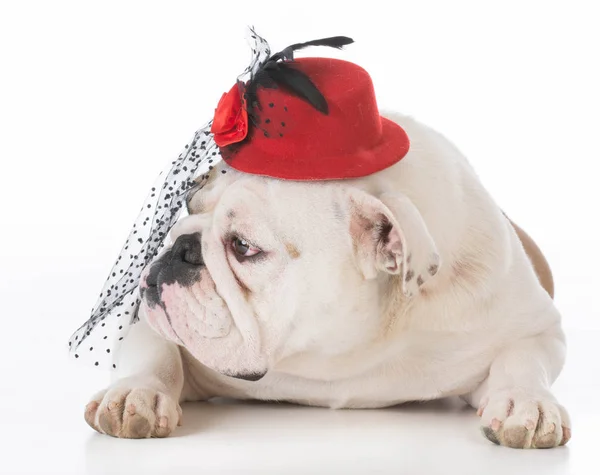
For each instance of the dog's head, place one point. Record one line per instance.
(264, 269)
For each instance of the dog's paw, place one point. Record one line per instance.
(523, 420)
(133, 412)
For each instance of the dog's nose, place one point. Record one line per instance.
(187, 248)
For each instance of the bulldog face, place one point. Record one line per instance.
(264, 269)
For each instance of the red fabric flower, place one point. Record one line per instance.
(230, 123)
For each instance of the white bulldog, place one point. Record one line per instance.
(407, 285)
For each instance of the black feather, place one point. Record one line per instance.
(333, 42)
(277, 72)
(299, 84)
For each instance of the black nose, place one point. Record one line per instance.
(187, 248)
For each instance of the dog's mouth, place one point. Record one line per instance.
(149, 291)
(184, 306)
(181, 298)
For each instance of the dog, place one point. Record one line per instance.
(409, 284)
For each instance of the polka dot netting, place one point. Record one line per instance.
(97, 341)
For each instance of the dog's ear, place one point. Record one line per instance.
(389, 235)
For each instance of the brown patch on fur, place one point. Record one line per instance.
(292, 250)
(420, 281)
(409, 258)
(468, 269)
(409, 275)
(539, 262)
(433, 269)
(231, 214)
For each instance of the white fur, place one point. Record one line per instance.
(332, 314)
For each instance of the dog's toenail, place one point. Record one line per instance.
(131, 409)
(489, 433)
(551, 428)
(164, 422)
(112, 405)
(496, 423)
(91, 406)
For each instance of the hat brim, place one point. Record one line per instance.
(391, 148)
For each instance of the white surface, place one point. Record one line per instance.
(96, 96)
(47, 434)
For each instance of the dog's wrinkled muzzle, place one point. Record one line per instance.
(182, 304)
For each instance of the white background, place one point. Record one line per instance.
(95, 98)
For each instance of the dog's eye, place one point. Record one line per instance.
(243, 248)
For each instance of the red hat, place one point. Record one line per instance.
(331, 131)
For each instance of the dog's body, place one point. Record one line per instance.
(406, 285)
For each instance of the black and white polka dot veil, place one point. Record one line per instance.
(98, 339)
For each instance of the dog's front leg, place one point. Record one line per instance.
(515, 403)
(143, 401)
